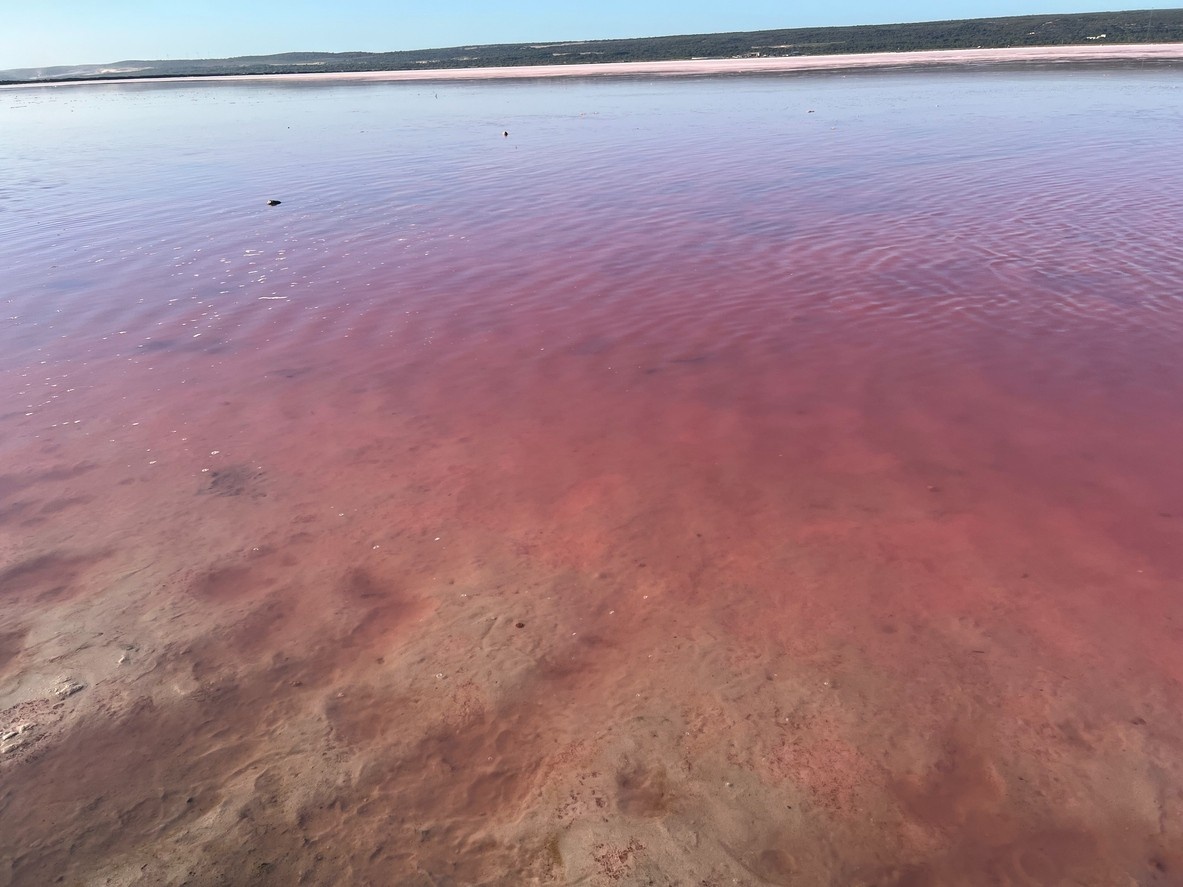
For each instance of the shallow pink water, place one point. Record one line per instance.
(820, 432)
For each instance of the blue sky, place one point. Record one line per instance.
(57, 32)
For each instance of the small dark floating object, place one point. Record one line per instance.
(506, 133)
(274, 202)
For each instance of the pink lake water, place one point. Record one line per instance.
(738, 480)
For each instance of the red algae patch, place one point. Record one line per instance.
(627, 502)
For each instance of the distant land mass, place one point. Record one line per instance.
(1139, 26)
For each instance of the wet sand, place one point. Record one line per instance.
(565, 526)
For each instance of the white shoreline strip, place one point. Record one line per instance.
(1116, 52)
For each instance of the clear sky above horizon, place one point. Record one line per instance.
(64, 32)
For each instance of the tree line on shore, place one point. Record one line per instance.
(1140, 26)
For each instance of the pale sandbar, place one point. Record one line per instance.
(1172, 52)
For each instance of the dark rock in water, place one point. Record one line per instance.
(234, 480)
(274, 202)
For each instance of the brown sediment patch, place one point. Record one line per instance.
(229, 583)
(379, 609)
(909, 875)
(162, 767)
(48, 578)
(257, 639)
(642, 790)
(571, 664)
(12, 642)
(59, 505)
(14, 483)
(776, 867)
(14, 511)
(980, 831)
(156, 345)
(962, 785)
(1162, 865)
(245, 575)
(360, 718)
(233, 480)
(1050, 854)
(1041, 855)
(301, 636)
(10, 484)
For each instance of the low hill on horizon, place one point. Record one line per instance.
(1137, 26)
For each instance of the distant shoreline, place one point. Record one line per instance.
(1172, 52)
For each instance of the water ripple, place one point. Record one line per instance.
(664, 237)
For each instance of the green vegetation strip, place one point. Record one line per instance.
(1098, 28)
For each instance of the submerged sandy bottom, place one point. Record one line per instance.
(431, 651)
(615, 533)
